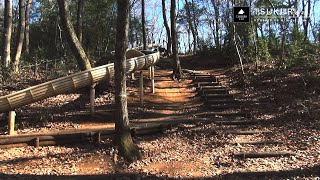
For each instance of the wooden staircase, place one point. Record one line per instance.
(220, 102)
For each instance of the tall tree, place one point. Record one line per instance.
(166, 25)
(143, 17)
(27, 29)
(307, 19)
(177, 72)
(21, 29)
(79, 20)
(191, 27)
(71, 36)
(123, 139)
(216, 5)
(6, 38)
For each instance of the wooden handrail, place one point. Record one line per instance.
(70, 83)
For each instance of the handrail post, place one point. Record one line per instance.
(132, 76)
(152, 79)
(141, 88)
(150, 72)
(12, 116)
(92, 97)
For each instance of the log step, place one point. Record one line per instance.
(207, 79)
(211, 87)
(236, 122)
(222, 113)
(211, 83)
(257, 142)
(221, 101)
(244, 155)
(246, 132)
(213, 91)
(215, 96)
(224, 106)
(199, 75)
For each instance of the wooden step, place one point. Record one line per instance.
(210, 87)
(224, 106)
(211, 79)
(236, 132)
(221, 101)
(200, 75)
(198, 84)
(244, 155)
(236, 122)
(257, 142)
(213, 91)
(206, 97)
(223, 113)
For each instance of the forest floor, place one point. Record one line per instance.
(285, 103)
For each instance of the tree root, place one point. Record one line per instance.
(127, 149)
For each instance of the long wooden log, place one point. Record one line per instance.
(244, 155)
(246, 132)
(257, 142)
(236, 122)
(8, 146)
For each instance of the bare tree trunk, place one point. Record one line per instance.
(189, 42)
(144, 39)
(236, 45)
(71, 36)
(21, 29)
(6, 38)
(166, 25)
(79, 20)
(191, 27)
(217, 22)
(123, 139)
(195, 24)
(306, 22)
(27, 29)
(177, 72)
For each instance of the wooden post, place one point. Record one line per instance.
(152, 79)
(98, 137)
(35, 69)
(141, 88)
(37, 142)
(12, 115)
(92, 97)
(132, 76)
(47, 65)
(150, 72)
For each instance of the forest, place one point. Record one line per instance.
(179, 89)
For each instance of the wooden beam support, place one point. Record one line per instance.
(92, 97)
(152, 79)
(132, 76)
(12, 116)
(150, 73)
(141, 88)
